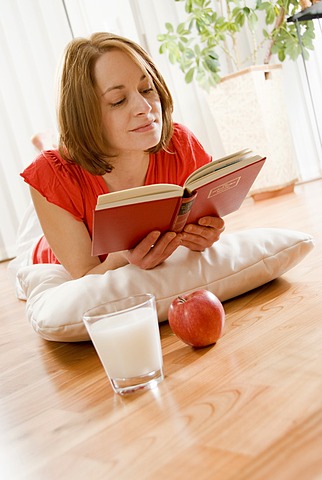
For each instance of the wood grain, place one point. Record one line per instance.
(249, 407)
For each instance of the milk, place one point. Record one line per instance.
(128, 344)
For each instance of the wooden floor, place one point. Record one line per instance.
(248, 408)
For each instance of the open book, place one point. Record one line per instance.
(122, 219)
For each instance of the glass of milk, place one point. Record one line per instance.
(126, 336)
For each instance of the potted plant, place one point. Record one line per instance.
(249, 110)
(211, 32)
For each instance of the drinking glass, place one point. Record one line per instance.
(126, 336)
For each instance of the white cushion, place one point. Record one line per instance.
(236, 264)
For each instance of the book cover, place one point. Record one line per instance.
(123, 227)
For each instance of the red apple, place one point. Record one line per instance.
(197, 318)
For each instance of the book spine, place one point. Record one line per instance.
(183, 213)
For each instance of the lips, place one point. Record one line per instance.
(144, 128)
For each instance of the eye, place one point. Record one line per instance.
(118, 103)
(148, 90)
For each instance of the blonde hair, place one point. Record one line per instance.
(79, 111)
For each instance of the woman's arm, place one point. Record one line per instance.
(68, 237)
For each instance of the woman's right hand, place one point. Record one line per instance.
(153, 250)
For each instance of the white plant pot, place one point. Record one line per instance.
(249, 110)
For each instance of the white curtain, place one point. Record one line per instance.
(33, 34)
(303, 93)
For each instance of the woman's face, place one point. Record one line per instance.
(130, 104)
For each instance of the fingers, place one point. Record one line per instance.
(154, 249)
(214, 222)
(202, 235)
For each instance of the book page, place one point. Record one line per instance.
(218, 164)
(232, 165)
(141, 194)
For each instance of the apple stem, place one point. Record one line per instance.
(182, 300)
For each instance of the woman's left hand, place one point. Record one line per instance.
(202, 235)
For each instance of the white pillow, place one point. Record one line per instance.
(236, 264)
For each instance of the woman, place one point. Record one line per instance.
(115, 132)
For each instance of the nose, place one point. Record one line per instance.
(140, 104)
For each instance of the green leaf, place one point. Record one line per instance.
(189, 53)
(181, 47)
(252, 21)
(281, 55)
(293, 50)
(211, 64)
(180, 28)
(172, 58)
(169, 27)
(189, 75)
(270, 17)
(265, 34)
(239, 19)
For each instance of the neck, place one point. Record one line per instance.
(128, 172)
